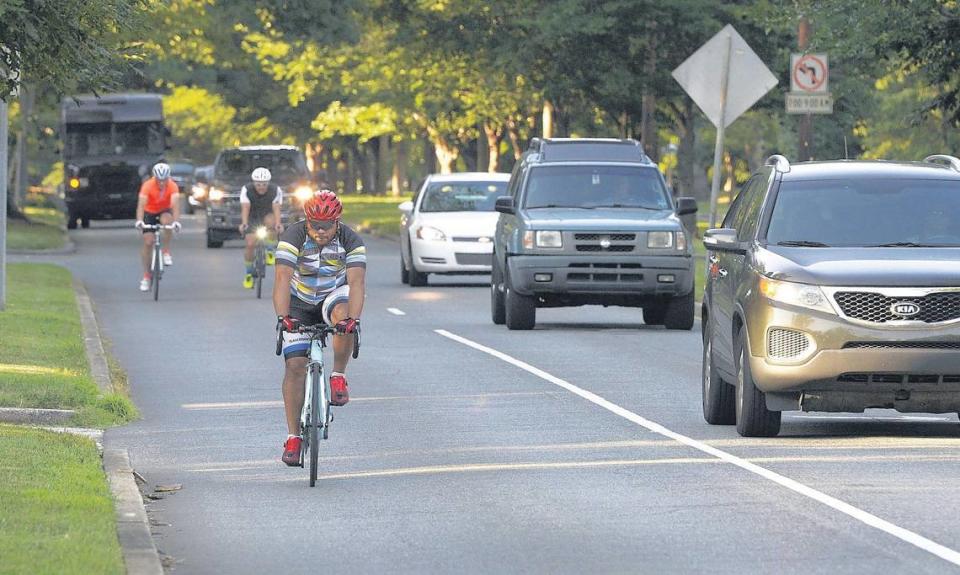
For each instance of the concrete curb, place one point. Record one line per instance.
(96, 356)
(30, 416)
(140, 555)
(69, 248)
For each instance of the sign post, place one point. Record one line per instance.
(3, 204)
(725, 77)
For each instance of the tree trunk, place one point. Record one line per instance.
(493, 136)
(22, 179)
(483, 150)
(368, 173)
(514, 133)
(446, 155)
(350, 185)
(332, 171)
(547, 119)
(383, 164)
(686, 154)
(399, 176)
(429, 156)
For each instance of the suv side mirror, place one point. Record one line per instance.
(686, 206)
(406, 207)
(723, 240)
(505, 205)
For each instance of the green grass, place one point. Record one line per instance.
(42, 358)
(56, 512)
(43, 231)
(373, 214)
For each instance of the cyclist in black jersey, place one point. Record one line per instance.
(260, 203)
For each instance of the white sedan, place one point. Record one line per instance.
(448, 227)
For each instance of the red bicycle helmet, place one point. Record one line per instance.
(324, 205)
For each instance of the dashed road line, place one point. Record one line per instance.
(395, 311)
(864, 517)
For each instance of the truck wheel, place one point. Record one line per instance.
(498, 310)
(85, 222)
(753, 417)
(72, 220)
(520, 310)
(654, 313)
(718, 395)
(679, 312)
(212, 243)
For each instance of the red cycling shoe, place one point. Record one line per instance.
(291, 452)
(338, 390)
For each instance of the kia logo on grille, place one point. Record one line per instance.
(905, 309)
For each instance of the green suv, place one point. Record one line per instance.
(590, 221)
(834, 286)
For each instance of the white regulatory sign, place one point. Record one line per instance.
(803, 103)
(809, 73)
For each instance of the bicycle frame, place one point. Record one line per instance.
(156, 264)
(260, 259)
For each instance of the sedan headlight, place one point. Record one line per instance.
(216, 195)
(659, 240)
(550, 239)
(198, 192)
(432, 234)
(303, 193)
(801, 295)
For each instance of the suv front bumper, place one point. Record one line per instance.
(592, 275)
(839, 365)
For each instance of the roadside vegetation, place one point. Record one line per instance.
(56, 513)
(376, 215)
(43, 230)
(43, 363)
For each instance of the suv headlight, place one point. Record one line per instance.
(659, 240)
(801, 295)
(432, 234)
(303, 193)
(542, 239)
(216, 194)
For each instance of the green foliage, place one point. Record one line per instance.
(73, 45)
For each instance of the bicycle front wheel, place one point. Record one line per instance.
(155, 276)
(260, 264)
(316, 409)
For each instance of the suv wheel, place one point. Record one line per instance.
(520, 310)
(404, 273)
(654, 313)
(753, 417)
(679, 312)
(719, 407)
(498, 310)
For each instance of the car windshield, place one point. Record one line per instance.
(867, 213)
(182, 169)
(462, 196)
(284, 165)
(88, 140)
(596, 187)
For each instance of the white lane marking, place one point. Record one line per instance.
(395, 311)
(233, 405)
(906, 535)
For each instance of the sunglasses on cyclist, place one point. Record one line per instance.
(321, 225)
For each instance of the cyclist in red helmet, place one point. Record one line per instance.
(321, 265)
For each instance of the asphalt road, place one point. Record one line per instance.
(456, 454)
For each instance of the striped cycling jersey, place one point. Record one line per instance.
(317, 270)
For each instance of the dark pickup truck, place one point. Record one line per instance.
(231, 172)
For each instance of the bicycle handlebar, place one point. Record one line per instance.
(318, 331)
(155, 227)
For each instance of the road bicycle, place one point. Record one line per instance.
(260, 260)
(315, 417)
(156, 262)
